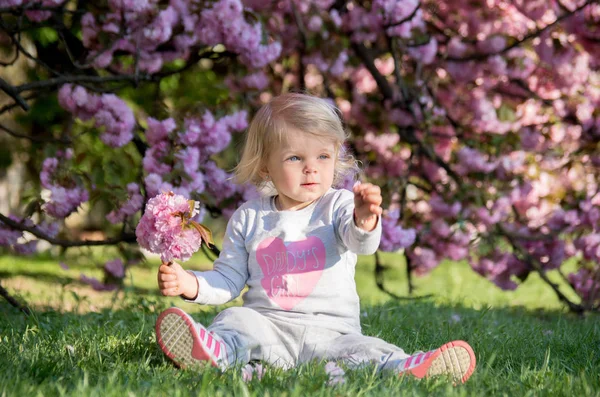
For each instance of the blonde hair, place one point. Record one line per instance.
(273, 120)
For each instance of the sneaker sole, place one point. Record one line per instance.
(177, 337)
(454, 358)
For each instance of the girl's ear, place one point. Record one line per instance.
(264, 174)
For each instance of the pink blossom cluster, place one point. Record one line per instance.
(391, 161)
(440, 207)
(587, 284)
(249, 370)
(422, 260)
(433, 172)
(111, 113)
(30, 6)
(13, 238)
(225, 23)
(253, 81)
(164, 228)
(115, 268)
(8, 235)
(501, 268)
(186, 153)
(446, 241)
(485, 218)
(397, 18)
(133, 26)
(393, 236)
(550, 253)
(471, 160)
(26, 248)
(66, 194)
(219, 182)
(333, 66)
(400, 16)
(335, 373)
(96, 284)
(589, 246)
(133, 204)
(589, 210)
(157, 35)
(364, 24)
(114, 273)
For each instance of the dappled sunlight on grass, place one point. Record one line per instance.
(456, 282)
(40, 280)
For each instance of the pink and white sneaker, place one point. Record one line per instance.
(455, 358)
(186, 342)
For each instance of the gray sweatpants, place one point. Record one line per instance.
(248, 335)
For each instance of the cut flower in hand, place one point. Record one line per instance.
(167, 228)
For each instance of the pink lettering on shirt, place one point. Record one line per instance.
(290, 272)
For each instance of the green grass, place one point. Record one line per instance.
(83, 343)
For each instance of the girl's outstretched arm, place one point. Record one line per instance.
(367, 205)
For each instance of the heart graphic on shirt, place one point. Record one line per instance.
(290, 272)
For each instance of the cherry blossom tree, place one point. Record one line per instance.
(479, 119)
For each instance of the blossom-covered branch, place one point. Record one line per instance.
(125, 238)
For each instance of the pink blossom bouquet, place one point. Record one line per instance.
(167, 228)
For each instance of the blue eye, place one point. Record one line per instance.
(324, 156)
(293, 158)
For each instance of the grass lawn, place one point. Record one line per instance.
(84, 343)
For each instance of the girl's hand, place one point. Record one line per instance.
(173, 280)
(367, 201)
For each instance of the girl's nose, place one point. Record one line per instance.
(309, 168)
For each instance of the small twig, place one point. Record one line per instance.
(13, 93)
(13, 105)
(209, 249)
(34, 138)
(302, 46)
(12, 61)
(399, 79)
(409, 270)
(405, 19)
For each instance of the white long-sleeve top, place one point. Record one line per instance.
(299, 265)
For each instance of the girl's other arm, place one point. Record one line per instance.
(230, 271)
(173, 280)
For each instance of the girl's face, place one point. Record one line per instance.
(302, 170)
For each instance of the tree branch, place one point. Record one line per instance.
(534, 264)
(408, 134)
(57, 81)
(529, 36)
(382, 83)
(132, 78)
(124, 238)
